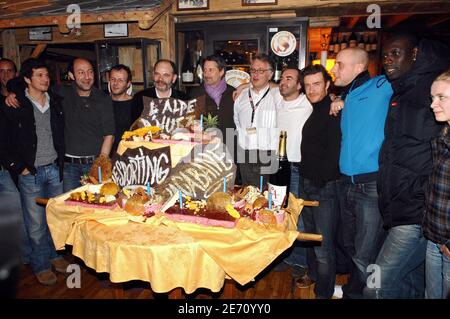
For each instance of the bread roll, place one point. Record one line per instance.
(109, 188)
(135, 205)
(267, 217)
(218, 201)
(260, 202)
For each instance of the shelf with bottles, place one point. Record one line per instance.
(366, 40)
(191, 48)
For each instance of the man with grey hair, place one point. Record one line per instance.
(255, 120)
(362, 125)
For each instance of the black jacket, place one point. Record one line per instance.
(138, 103)
(405, 156)
(24, 133)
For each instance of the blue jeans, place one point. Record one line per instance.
(363, 231)
(322, 220)
(11, 222)
(297, 255)
(437, 273)
(73, 173)
(401, 265)
(45, 184)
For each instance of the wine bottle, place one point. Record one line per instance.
(280, 180)
(367, 45)
(278, 70)
(187, 69)
(337, 45)
(352, 41)
(373, 43)
(344, 43)
(199, 69)
(331, 46)
(361, 44)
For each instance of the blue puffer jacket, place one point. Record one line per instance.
(362, 124)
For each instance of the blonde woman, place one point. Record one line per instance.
(436, 224)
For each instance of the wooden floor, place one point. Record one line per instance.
(268, 285)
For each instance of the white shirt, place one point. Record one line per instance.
(291, 116)
(37, 105)
(265, 137)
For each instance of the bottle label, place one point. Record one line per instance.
(277, 75)
(187, 77)
(278, 194)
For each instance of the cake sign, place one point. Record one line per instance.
(201, 173)
(141, 165)
(168, 114)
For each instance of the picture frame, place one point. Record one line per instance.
(246, 3)
(113, 30)
(40, 34)
(192, 5)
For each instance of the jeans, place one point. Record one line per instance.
(46, 183)
(401, 265)
(73, 173)
(363, 231)
(322, 220)
(297, 255)
(11, 225)
(437, 273)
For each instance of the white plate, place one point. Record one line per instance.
(283, 43)
(236, 77)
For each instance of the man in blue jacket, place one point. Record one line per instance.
(362, 124)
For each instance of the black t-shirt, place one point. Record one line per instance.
(87, 120)
(124, 119)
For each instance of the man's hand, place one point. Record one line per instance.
(239, 89)
(445, 251)
(336, 106)
(25, 172)
(11, 101)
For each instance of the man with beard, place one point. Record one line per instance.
(406, 162)
(88, 122)
(124, 111)
(164, 76)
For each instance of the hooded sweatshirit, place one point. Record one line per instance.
(405, 157)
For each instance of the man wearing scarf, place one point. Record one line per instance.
(218, 95)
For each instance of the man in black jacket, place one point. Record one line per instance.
(38, 132)
(164, 76)
(405, 163)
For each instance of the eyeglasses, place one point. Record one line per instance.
(259, 71)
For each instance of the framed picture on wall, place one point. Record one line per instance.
(258, 2)
(192, 4)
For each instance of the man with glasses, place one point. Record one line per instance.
(255, 120)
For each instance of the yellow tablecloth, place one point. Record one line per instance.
(164, 253)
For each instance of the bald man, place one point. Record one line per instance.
(362, 124)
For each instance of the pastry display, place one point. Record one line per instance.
(143, 134)
(91, 199)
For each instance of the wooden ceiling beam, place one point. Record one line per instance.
(392, 21)
(352, 22)
(87, 18)
(387, 8)
(437, 20)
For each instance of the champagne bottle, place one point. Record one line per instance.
(344, 44)
(367, 45)
(337, 45)
(280, 180)
(278, 70)
(187, 69)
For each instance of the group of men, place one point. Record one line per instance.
(365, 155)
